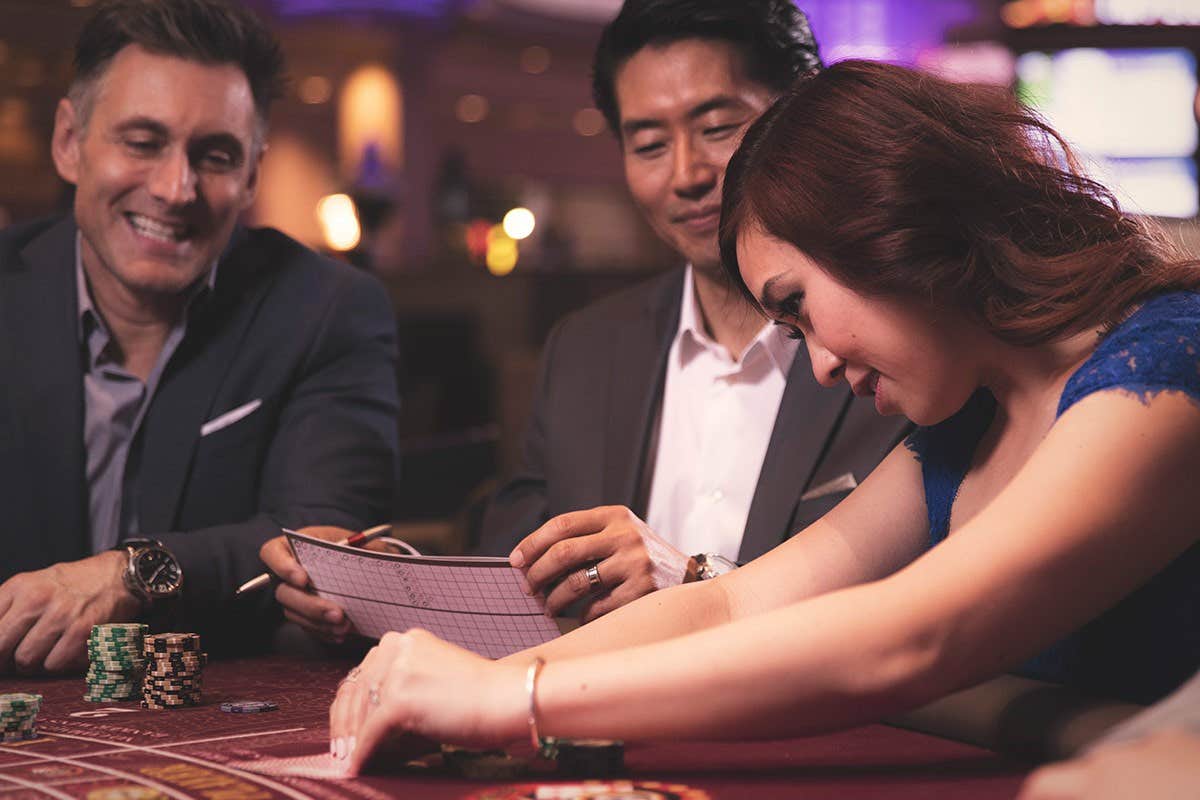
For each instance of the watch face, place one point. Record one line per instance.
(158, 571)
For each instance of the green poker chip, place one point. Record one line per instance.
(20, 700)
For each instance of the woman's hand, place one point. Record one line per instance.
(414, 682)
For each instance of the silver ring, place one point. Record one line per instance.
(373, 695)
(593, 578)
(351, 677)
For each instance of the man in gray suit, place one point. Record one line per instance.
(674, 431)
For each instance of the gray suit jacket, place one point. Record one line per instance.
(596, 404)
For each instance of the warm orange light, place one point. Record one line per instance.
(370, 116)
(339, 222)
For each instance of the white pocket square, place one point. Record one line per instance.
(229, 417)
(842, 483)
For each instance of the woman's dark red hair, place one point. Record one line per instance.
(899, 183)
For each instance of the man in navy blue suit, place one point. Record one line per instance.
(175, 387)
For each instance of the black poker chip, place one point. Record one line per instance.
(586, 758)
(493, 765)
(248, 706)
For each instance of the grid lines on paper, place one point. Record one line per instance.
(479, 606)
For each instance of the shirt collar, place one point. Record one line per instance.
(87, 308)
(692, 339)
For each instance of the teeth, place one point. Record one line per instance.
(155, 229)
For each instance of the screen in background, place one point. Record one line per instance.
(1129, 114)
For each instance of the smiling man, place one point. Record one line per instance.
(177, 387)
(674, 431)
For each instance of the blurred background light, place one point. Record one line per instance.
(519, 223)
(477, 238)
(339, 222)
(370, 121)
(314, 90)
(535, 60)
(502, 251)
(432, 9)
(1129, 113)
(472, 108)
(588, 122)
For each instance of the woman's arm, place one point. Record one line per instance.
(1097, 510)
(873, 532)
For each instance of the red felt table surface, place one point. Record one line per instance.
(122, 752)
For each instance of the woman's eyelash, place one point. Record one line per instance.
(791, 331)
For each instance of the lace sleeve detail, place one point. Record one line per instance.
(944, 452)
(1157, 349)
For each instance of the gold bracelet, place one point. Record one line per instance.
(531, 676)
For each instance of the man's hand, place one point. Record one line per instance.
(631, 560)
(46, 616)
(1163, 765)
(323, 619)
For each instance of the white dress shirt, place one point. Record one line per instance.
(714, 426)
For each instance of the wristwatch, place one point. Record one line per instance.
(153, 573)
(704, 566)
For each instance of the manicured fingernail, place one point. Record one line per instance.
(341, 748)
(517, 558)
(334, 615)
(332, 749)
(350, 745)
(525, 587)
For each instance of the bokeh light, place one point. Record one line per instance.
(339, 222)
(535, 60)
(502, 252)
(472, 108)
(314, 90)
(588, 122)
(519, 223)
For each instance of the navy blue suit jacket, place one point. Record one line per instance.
(312, 339)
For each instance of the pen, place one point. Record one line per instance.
(354, 540)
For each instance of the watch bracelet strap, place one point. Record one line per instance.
(164, 606)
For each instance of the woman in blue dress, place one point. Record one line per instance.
(935, 248)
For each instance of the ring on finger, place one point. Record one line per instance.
(592, 574)
(351, 677)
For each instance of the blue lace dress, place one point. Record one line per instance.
(1150, 642)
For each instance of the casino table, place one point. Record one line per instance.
(120, 751)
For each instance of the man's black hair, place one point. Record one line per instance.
(772, 36)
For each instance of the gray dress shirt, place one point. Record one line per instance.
(115, 402)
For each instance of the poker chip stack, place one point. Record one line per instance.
(115, 662)
(173, 671)
(18, 716)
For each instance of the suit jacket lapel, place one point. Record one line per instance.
(40, 307)
(635, 383)
(184, 399)
(803, 430)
